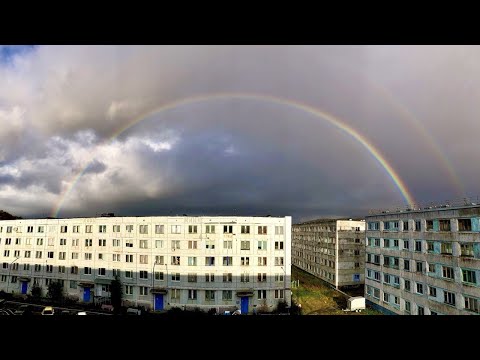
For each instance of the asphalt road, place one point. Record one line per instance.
(9, 307)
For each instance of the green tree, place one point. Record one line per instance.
(36, 292)
(116, 294)
(55, 291)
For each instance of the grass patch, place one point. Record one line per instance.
(318, 298)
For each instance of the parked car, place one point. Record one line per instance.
(82, 313)
(48, 310)
(23, 310)
(133, 311)
(65, 312)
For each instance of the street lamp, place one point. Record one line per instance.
(153, 284)
(10, 269)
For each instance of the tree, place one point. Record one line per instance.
(116, 294)
(55, 291)
(36, 292)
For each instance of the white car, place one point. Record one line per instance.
(48, 310)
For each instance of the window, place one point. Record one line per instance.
(6, 253)
(227, 229)
(16, 253)
(262, 294)
(420, 310)
(74, 270)
(51, 241)
(429, 225)
(102, 228)
(15, 266)
(471, 304)
(245, 245)
(128, 290)
(433, 291)
(129, 258)
(192, 294)
(279, 261)
(116, 272)
(245, 261)
(176, 277)
(431, 268)
(377, 242)
(262, 245)
(418, 245)
(469, 276)
(143, 244)
(405, 225)
(449, 298)
(129, 243)
(209, 295)
(175, 244)
(143, 274)
(192, 261)
(192, 244)
(419, 288)
(262, 230)
(88, 256)
(102, 271)
(376, 259)
(227, 277)
(39, 242)
(210, 277)
(376, 293)
(62, 255)
(357, 241)
(116, 228)
(74, 255)
(175, 294)
(192, 277)
(278, 294)
(430, 246)
(192, 229)
(386, 225)
(467, 249)
(74, 242)
(407, 285)
(209, 261)
(159, 229)
(356, 252)
(444, 225)
(73, 284)
(116, 257)
(419, 266)
(374, 225)
(63, 242)
(41, 229)
(143, 229)
(245, 229)
(129, 228)
(88, 242)
(9, 229)
(38, 254)
(159, 260)
(227, 261)
(406, 245)
(29, 229)
(357, 265)
(28, 241)
(418, 225)
(87, 270)
(116, 242)
(159, 275)
(37, 267)
(227, 244)
(27, 254)
(129, 274)
(227, 295)
(144, 259)
(278, 245)
(447, 272)
(446, 248)
(210, 229)
(464, 225)
(262, 277)
(159, 244)
(278, 277)
(245, 278)
(76, 228)
(175, 260)
(88, 228)
(406, 265)
(176, 229)
(262, 261)
(18, 241)
(386, 297)
(278, 230)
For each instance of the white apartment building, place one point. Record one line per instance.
(424, 262)
(331, 249)
(163, 262)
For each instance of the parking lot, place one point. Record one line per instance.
(9, 307)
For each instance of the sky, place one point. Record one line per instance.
(304, 131)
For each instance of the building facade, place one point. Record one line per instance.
(333, 250)
(424, 262)
(162, 262)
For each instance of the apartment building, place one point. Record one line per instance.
(331, 249)
(163, 262)
(424, 262)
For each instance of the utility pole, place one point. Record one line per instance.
(9, 269)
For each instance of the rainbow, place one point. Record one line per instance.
(335, 121)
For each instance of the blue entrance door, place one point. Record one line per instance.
(158, 301)
(244, 305)
(86, 294)
(24, 287)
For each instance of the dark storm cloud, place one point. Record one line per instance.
(59, 106)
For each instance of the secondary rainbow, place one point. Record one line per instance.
(333, 120)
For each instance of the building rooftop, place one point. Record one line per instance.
(326, 220)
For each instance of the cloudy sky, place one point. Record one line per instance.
(146, 130)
